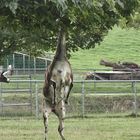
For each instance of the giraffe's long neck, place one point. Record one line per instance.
(61, 45)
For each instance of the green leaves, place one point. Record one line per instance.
(120, 3)
(11, 4)
(87, 21)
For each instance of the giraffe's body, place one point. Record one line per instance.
(58, 84)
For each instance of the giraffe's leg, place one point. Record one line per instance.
(60, 112)
(54, 94)
(66, 100)
(46, 117)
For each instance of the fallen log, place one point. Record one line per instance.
(125, 66)
(120, 71)
(131, 65)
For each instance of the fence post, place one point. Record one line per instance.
(1, 103)
(83, 99)
(94, 81)
(31, 99)
(34, 65)
(134, 91)
(14, 61)
(36, 99)
(24, 63)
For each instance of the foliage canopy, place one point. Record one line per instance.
(33, 25)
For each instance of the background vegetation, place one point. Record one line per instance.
(32, 26)
(118, 45)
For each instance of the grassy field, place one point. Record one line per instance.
(119, 45)
(75, 129)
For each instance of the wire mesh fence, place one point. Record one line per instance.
(15, 97)
(24, 63)
(24, 97)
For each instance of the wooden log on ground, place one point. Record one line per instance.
(125, 66)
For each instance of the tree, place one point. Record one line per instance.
(33, 25)
(135, 21)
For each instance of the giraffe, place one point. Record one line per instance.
(58, 84)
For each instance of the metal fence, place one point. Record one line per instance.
(24, 97)
(11, 94)
(23, 63)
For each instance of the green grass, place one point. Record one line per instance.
(75, 129)
(119, 45)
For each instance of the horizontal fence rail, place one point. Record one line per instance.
(36, 90)
(79, 81)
